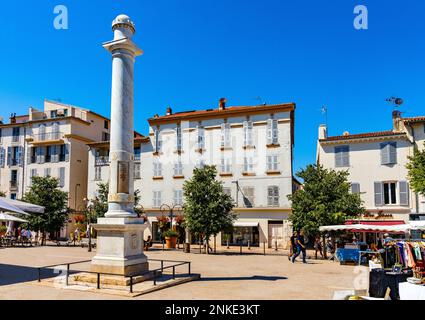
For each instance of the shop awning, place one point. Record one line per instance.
(417, 225)
(400, 228)
(240, 224)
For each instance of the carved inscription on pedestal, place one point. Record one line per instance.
(123, 177)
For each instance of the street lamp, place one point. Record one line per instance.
(88, 205)
(166, 208)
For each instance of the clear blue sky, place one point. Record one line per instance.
(197, 51)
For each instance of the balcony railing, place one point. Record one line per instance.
(102, 161)
(16, 139)
(13, 185)
(48, 136)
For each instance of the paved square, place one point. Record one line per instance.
(224, 277)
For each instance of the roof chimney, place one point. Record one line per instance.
(396, 121)
(1, 120)
(169, 111)
(222, 104)
(12, 118)
(323, 132)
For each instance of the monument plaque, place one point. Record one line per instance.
(123, 177)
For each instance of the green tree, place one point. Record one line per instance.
(2, 194)
(100, 202)
(416, 175)
(44, 191)
(208, 210)
(325, 199)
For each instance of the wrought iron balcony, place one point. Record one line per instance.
(102, 161)
(48, 136)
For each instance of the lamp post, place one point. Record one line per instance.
(166, 208)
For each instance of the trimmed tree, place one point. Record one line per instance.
(416, 175)
(44, 191)
(208, 209)
(2, 194)
(324, 200)
(100, 202)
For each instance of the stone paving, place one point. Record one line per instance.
(224, 277)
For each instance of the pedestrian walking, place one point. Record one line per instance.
(318, 246)
(292, 245)
(300, 245)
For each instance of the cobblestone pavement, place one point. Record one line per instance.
(224, 277)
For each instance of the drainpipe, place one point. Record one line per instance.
(24, 160)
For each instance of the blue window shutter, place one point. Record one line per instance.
(67, 153)
(378, 194)
(404, 193)
(355, 187)
(2, 157)
(393, 152)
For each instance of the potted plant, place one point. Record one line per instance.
(171, 238)
(163, 222)
(3, 230)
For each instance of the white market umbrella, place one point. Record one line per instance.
(371, 228)
(8, 217)
(24, 206)
(5, 206)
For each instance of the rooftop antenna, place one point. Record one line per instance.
(395, 102)
(324, 111)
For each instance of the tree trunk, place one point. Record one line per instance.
(324, 247)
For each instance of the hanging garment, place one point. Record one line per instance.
(417, 251)
(410, 260)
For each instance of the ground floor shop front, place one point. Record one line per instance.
(253, 228)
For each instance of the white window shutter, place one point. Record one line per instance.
(270, 131)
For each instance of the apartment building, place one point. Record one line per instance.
(51, 142)
(377, 163)
(252, 148)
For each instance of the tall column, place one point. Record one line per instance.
(121, 184)
(120, 233)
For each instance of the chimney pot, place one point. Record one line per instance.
(222, 104)
(169, 111)
(396, 120)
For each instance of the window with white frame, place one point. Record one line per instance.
(178, 168)
(248, 196)
(98, 173)
(390, 192)
(225, 136)
(273, 162)
(355, 187)
(178, 197)
(157, 168)
(178, 137)
(273, 196)
(137, 174)
(201, 137)
(157, 199)
(249, 164)
(248, 133)
(226, 165)
(272, 132)
(33, 173)
(200, 164)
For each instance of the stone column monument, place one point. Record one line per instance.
(120, 233)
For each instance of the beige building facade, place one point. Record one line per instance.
(377, 163)
(252, 148)
(51, 142)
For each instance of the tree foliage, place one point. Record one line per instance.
(416, 175)
(100, 202)
(324, 200)
(2, 194)
(44, 191)
(208, 210)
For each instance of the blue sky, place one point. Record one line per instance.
(197, 51)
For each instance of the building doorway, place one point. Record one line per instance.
(275, 235)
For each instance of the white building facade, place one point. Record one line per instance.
(51, 143)
(252, 148)
(377, 163)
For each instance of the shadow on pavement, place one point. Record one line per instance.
(10, 274)
(262, 278)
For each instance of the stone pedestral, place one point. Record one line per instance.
(120, 246)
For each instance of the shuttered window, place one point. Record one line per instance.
(225, 135)
(388, 153)
(178, 138)
(226, 165)
(273, 196)
(249, 164)
(249, 196)
(158, 141)
(178, 168)
(2, 157)
(178, 197)
(157, 169)
(273, 163)
(201, 137)
(98, 173)
(248, 133)
(47, 172)
(342, 156)
(157, 199)
(272, 132)
(137, 174)
(404, 193)
(355, 187)
(62, 177)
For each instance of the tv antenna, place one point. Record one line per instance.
(395, 102)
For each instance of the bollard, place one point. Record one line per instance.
(190, 271)
(67, 275)
(275, 245)
(98, 281)
(163, 245)
(131, 284)
(174, 272)
(249, 245)
(39, 274)
(241, 249)
(264, 248)
(162, 266)
(154, 278)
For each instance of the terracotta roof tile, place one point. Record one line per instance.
(414, 119)
(364, 135)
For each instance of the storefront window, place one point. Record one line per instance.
(241, 236)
